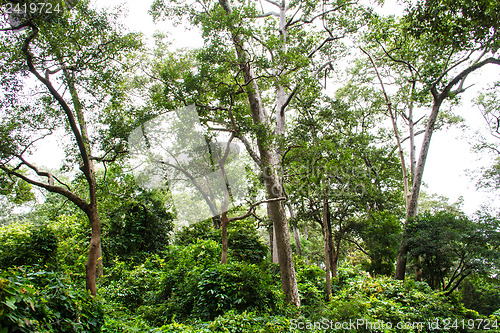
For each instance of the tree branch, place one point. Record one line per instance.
(84, 206)
(250, 211)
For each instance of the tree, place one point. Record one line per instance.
(334, 176)
(428, 54)
(77, 59)
(254, 61)
(447, 247)
(489, 105)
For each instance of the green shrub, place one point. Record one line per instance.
(133, 286)
(481, 293)
(244, 243)
(40, 301)
(136, 228)
(195, 286)
(73, 237)
(249, 322)
(312, 287)
(234, 286)
(27, 244)
(377, 300)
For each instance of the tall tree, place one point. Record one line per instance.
(429, 53)
(255, 60)
(335, 173)
(448, 247)
(75, 60)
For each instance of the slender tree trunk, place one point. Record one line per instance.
(296, 232)
(335, 249)
(412, 206)
(327, 248)
(224, 225)
(335, 260)
(296, 236)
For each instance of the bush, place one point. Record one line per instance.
(249, 322)
(27, 244)
(312, 287)
(195, 286)
(40, 301)
(133, 286)
(383, 300)
(73, 237)
(234, 286)
(244, 243)
(136, 228)
(481, 293)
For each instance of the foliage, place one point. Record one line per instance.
(481, 293)
(27, 244)
(252, 322)
(434, 203)
(464, 24)
(137, 227)
(447, 247)
(244, 242)
(72, 238)
(381, 233)
(39, 301)
(203, 230)
(384, 300)
(311, 284)
(142, 282)
(235, 285)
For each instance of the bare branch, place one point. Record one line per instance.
(416, 134)
(251, 210)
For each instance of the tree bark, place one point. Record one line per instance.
(327, 248)
(274, 247)
(296, 232)
(93, 260)
(224, 224)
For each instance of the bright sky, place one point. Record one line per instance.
(450, 154)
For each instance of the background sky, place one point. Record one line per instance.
(451, 160)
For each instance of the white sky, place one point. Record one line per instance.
(450, 154)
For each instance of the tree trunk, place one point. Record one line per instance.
(334, 265)
(93, 260)
(412, 206)
(224, 224)
(274, 247)
(327, 248)
(401, 262)
(296, 236)
(285, 258)
(296, 232)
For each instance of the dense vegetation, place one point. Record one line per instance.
(334, 231)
